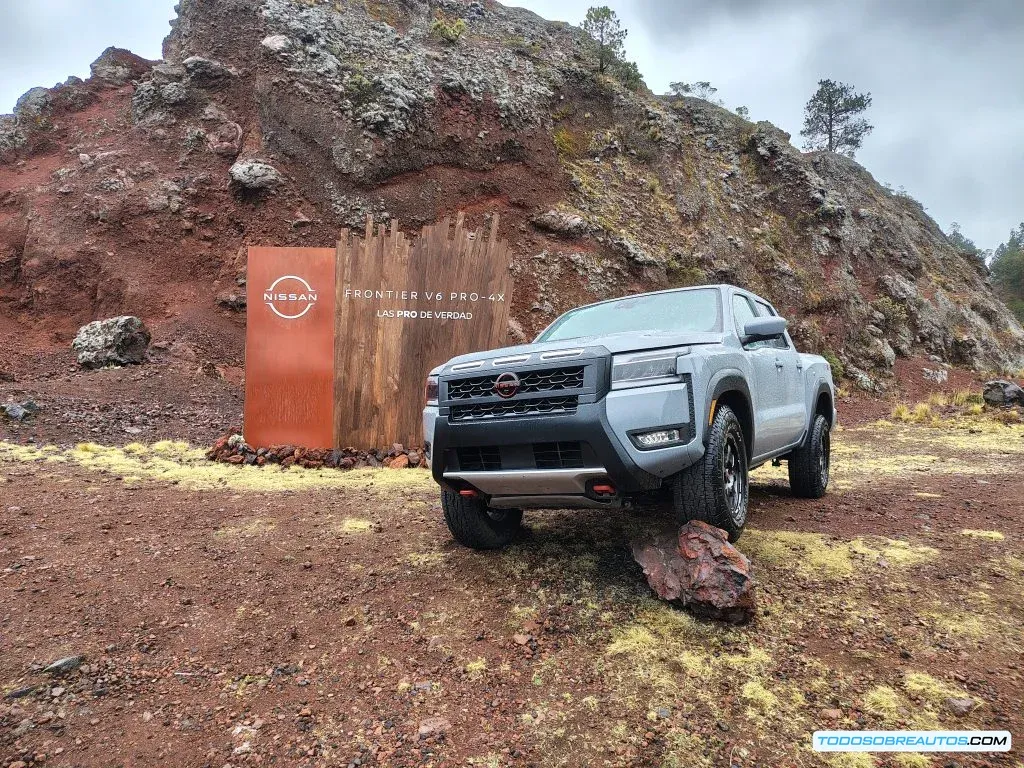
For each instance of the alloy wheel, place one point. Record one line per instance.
(734, 478)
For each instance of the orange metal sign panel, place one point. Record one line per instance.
(289, 347)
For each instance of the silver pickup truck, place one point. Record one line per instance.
(659, 398)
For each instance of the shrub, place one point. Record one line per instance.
(628, 73)
(449, 30)
(566, 142)
(838, 369)
(895, 314)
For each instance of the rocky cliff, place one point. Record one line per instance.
(278, 121)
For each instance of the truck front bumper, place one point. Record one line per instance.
(556, 460)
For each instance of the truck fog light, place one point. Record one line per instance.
(657, 438)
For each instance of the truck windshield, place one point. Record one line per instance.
(698, 311)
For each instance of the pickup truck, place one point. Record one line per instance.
(664, 398)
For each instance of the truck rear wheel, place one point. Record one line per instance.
(475, 525)
(716, 488)
(809, 464)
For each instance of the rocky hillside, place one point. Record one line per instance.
(278, 121)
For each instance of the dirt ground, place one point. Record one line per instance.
(245, 616)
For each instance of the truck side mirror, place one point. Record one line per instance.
(764, 328)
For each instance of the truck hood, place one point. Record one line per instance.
(612, 342)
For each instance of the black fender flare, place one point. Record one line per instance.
(823, 389)
(728, 383)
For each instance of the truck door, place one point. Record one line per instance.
(768, 390)
(794, 403)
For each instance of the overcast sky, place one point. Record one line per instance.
(947, 76)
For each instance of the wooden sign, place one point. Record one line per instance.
(339, 342)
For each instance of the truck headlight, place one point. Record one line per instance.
(431, 390)
(646, 368)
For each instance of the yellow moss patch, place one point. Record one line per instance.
(990, 535)
(809, 553)
(894, 551)
(181, 464)
(815, 555)
(686, 750)
(851, 760)
(758, 698)
(884, 702)
(353, 525)
(476, 668)
(425, 559)
(633, 641)
(930, 689)
(958, 623)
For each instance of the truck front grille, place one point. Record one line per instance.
(548, 380)
(479, 459)
(562, 455)
(542, 406)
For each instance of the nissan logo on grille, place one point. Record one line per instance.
(506, 385)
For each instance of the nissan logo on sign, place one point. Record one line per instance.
(506, 385)
(290, 297)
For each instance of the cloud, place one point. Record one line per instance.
(44, 41)
(946, 76)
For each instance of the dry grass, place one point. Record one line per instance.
(814, 555)
(976, 534)
(179, 463)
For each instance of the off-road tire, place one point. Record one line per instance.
(475, 526)
(809, 464)
(702, 491)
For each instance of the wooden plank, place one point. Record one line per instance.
(390, 329)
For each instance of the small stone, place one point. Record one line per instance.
(63, 666)
(960, 706)
(520, 639)
(831, 714)
(15, 412)
(276, 43)
(433, 726)
(399, 462)
(561, 223)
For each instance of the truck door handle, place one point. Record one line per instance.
(779, 364)
(799, 366)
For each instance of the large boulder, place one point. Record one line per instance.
(561, 223)
(700, 570)
(1004, 393)
(119, 66)
(114, 341)
(255, 175)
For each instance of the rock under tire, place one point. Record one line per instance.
(472, 525)
(699, 491)
(809, 464)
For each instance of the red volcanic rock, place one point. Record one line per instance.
(701, 570)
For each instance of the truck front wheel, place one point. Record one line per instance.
(716, 488)
(475, 525)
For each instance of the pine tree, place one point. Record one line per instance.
(1008, 271)
(604, 27)
(832, 118)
